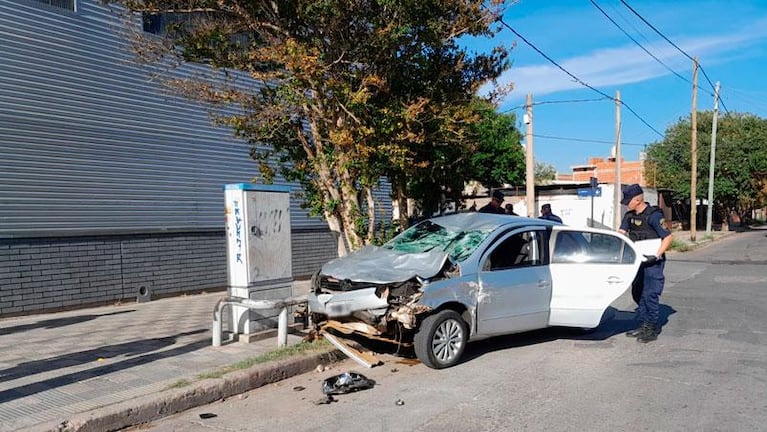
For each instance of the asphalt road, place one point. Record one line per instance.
(706, 372)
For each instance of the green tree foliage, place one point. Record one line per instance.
(740, 171)
(544, 173)
(500, 158)
(351, 90)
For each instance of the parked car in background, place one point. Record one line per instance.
(453, 279)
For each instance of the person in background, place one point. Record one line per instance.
(510, 210)
(644, 222)
(548, 215)
(494, 206)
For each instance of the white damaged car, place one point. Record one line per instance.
(468, 276)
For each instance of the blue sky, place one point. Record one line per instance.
(729, 38)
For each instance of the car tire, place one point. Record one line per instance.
(440, 339)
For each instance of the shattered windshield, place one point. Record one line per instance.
(427, 236)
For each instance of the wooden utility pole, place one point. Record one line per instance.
(529, 160)
(711, 160)
(617, 216)
(694, 152)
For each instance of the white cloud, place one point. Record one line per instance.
(610, 67)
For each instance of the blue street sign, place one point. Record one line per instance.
(587, 192)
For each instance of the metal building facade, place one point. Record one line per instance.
(95, 156)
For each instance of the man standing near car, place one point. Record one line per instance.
(548, 215)
(644, 222)
(494, 206)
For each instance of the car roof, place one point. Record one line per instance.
(471, 221)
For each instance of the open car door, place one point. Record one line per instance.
(590, 269)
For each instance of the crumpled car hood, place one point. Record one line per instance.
(379, 265)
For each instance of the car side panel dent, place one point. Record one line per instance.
(463, 290)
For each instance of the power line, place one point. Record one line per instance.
(639, 44)
(578, 80)
(555, 102)
(705, 75)
(747, 96)
(585, 140)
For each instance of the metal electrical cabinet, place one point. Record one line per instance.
(259, 255)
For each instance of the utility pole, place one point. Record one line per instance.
(694, 152)
(712, 159)
(618, 189)
(529, 160)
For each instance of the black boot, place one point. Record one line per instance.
(649, 336)
(645, 327)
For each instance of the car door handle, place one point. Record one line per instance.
(543, 284)
(614, 280)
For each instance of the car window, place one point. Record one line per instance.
(586, 247)
(519, 250)
(428, 235)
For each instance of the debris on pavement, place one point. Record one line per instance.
(399, 402)
(346, 382)
(299, 388)
(358, 356)
(325, 401)
(208, 415)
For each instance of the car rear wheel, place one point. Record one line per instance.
(440, 339)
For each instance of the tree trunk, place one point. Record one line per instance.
(402, 205)
(371, 214)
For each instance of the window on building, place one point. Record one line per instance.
(63, 4)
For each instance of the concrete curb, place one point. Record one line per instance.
(153, 407)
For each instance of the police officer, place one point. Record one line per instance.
(643, 222)
(494, 206)
(548, 215)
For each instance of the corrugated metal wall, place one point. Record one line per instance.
(89, 144)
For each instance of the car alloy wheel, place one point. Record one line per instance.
(441, 339)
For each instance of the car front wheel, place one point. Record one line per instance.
(440, 339)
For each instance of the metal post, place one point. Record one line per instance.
(282, 321)
(282, 328)
(217, 324)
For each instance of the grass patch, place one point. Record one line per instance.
(278, 354)
(179, 384)
(679, 245)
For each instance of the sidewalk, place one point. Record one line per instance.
(95, 369)
(701, 239)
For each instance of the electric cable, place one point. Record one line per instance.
(555, 102)
(578, 80)
(703, 71)
(585, 140)
(640, 45)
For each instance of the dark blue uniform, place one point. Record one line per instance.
(551, 217)
(644, 226)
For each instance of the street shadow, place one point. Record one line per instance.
(57, 322)
(614, 322)
(134, 350)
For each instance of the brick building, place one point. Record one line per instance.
(604, 170)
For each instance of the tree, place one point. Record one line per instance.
(741, 160)
(500, 158)
(544, 173)
(350, 90)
